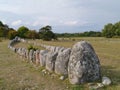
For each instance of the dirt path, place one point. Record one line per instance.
(16, 74)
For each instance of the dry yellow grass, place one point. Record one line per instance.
(16, 74)
(13, 70)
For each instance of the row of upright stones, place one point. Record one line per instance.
(80, 63)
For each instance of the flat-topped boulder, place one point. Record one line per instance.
(84, 65)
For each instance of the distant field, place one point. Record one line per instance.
(108, 51)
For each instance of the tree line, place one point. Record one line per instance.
(84, 34)
(110, 30)
(44, 33)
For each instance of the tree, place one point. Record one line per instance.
(3, 30)
(117, 29)
(22, 31)
(1, 24)
(12, 34)
(32, 34)
(109, 30)
(46, 33)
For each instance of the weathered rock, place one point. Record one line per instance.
(31, 53)
(61, 64)
(23, 53)
(59, 49)
(34, 56)
(84, 65)
(18, 51)
(37, 57)
(42, 56)
(50, 61)
(27, 54)
(106, 81)
(62, 77)
(52, 48)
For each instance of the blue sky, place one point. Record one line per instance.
(63, 15)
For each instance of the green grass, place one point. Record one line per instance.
(16, 74)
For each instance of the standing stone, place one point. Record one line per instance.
(27, 54)
(24, 53)
(84, 65)
(42, 56)
(50, 61)
(52, 48)
(31, 55)
(37, 57)
(59, 49)
(34, 57)
(20, 52)
(61, 64)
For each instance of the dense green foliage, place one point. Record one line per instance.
(12, 34)
(84, 34)
(4, 29)
(32, 34)
(22, 31)
(46, 33)
(111, 30)
(30, 47)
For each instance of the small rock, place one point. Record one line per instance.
(62, 77)
(44, 71)
(100, 85)
(106, 81)
(95, 86)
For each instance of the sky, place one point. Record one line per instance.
(65, 16)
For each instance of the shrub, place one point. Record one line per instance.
(31, 47)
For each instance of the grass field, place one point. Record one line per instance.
(16, 74)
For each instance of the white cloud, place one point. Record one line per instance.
(16, 23)
(36, 23)
(71, 23)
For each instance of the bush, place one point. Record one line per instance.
(31, 47)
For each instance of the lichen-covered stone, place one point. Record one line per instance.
(61, 64)
(84, 65)
(31, 53)
(37, 57)
(50, 61)
(34, 57)
(42, 56)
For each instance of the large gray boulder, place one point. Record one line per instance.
(84, 65)
(50, 61)
(42, 56)
(61, 64)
